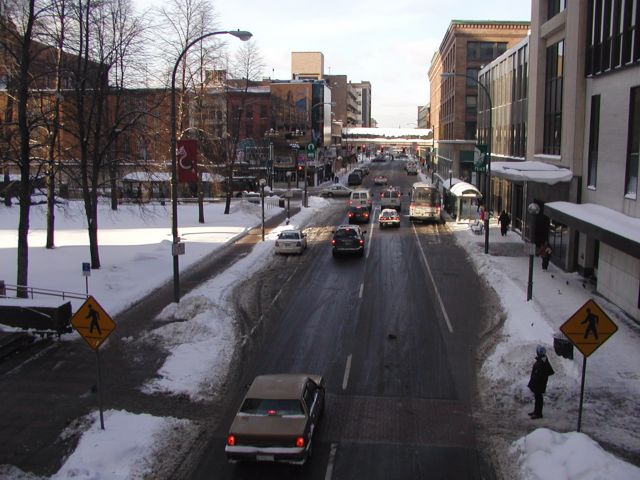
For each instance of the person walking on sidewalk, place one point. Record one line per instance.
(504, 220)
(545, 252)
(540, 373)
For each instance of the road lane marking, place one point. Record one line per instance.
(332, 459)
(361, 290)
(347, 369)
(371, 232)
(435, 287)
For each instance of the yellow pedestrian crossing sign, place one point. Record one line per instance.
(589, 328)
(93, 323)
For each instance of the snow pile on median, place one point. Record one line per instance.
(545, 454)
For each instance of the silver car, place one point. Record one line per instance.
(336, 190)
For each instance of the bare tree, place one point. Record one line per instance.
(19, 31)
(101, 35)
(247, 67)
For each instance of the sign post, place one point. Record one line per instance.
(86, 272)
(94, 325)
(587, 329)
(311, 154)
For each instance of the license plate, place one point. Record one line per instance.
(265, 458)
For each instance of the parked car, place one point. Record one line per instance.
(360, 197)
(391, 198)
(358, 214)
(354, 179)
(291, 240)
(348, 239)
(389, 217)
(380, 180)
(277, 419)
(335, 190)
(378, 158)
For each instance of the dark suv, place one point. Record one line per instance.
(358, 214)
(348, 239)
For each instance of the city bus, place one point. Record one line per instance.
(426, 203)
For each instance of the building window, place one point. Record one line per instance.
(613, 35)
(470, 130)
(471, 104)
(554, 7)
(633, 149)
(263, 111)
(473, 73)
(249, 112)
(594, 133)
(553, 99)
(485, 50)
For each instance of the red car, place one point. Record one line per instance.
(380, 180)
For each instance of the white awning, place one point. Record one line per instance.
(531, 171)
(147, 177)
(464, 189)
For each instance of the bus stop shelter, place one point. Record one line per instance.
(462, 199)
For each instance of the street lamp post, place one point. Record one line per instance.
(450, 185)
(533, 209)
(262, 183)
(176, 248)
(288, 196)
(488, 155)
(306, 163)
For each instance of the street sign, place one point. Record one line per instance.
(86, 269)
(93, 323)
(311, 148)
(589, 328)
(480, 158)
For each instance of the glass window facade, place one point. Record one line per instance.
(594, 133)
(633, 149)
(554, 7)
(613, 35)
(553, 99)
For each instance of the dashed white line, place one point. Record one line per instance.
(373, 215)
(361, 290)
(435, 287)
(347, 369)
(331, 462)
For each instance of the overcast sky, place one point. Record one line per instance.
(389, 43)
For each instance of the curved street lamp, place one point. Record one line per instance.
(176, 250)
(488, 155)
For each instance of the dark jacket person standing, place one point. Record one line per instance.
(540, 373)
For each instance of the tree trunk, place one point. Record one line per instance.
(23, 242)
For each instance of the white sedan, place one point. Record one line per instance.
(291, 240)
(389, 217)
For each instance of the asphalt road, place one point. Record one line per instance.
(395, 333)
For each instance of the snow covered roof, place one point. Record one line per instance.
(147, 177)
(464, 189)
(605, 224)
(531, 171)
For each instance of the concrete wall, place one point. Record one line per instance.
(619, 279)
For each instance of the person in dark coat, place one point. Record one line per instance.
(540, 373)
(504, 220)
(545, 252)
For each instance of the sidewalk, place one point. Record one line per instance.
(612, 389)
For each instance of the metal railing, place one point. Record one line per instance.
(33, 291)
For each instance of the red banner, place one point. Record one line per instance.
(187, 156)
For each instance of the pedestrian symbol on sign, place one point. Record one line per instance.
(592, 321)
